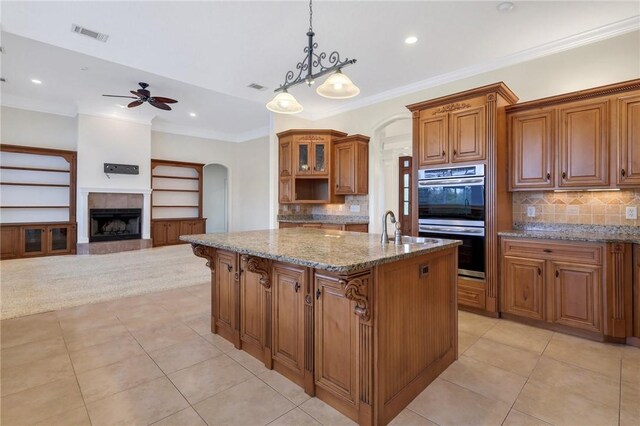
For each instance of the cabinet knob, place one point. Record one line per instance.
(548, 176)
(443, 153)
(297, 286)
(318, 293)
(547, 251)
(622, 172)
(564, 175)
(229, 268)
(539, 271)
(455, 152)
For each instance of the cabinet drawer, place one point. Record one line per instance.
(471, 293)
(582, 252)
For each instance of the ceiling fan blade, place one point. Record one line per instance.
(160, 105)
(164, 100)
(118, 96)
(135, 103)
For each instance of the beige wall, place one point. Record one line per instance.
(609, 61)
(30, 128)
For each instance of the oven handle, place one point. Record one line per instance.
(452, 182)
(455, 230)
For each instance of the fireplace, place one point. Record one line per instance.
(115, 224)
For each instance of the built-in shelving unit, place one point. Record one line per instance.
(38, 209)
(176, 200)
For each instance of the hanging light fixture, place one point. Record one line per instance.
(337, 86)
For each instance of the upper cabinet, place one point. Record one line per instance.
(452, 133)
(321, 166)
(581, 140)
(351, 159)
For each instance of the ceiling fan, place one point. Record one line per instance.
(143, 95)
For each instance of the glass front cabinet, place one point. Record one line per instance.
(49, 239)
(312, 155)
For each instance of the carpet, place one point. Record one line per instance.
(30, 286)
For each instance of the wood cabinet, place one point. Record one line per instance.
(580, 287)
(312, 155)
(285, 169)
(226, 296)
(289, 283)
(256, 305)
(628, 170)
(167, 231)
(353, 227)
(41, 240)
(581, 140)
(336, 346)
(453, 133)
(636, 293)
(9, 242)
(190, 227)
(351, 165)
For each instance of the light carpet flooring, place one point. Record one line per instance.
(152, 359)
(30, 286)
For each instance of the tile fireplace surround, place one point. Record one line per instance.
(101, 198)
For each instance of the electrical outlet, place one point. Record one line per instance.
(631, 213)
(531, 211)
(355, 208)
(573, 210)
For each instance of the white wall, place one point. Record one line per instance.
(30, 128)
(214, 197)
(605, 62)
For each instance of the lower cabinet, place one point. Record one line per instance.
(636, 291)
(9, 242)
(37, 240)
(226, 306)
(564, 283)
(336, 329)
(288, 351)
(166, 232)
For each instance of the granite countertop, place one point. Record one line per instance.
(333, 251)
(333, 219)
(595, 233)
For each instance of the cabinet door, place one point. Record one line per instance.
(59, 239)
(577, 295)
(285, 189)
(532, 153)
(159, 233)
(467, 139)
(303, 158)
(173, 232)
(336, 331)
(433, 142)
(288, 316)
(523, 287)
(285, 160)
(333, 226)
(584, 144)
(226, 297)
(629, 142)
(199, 226)
(33, 241)
(321, 157)
(636, 290)
(252, 312)
(9, 242)
(186, 227)
(345, 173)
(357, 227)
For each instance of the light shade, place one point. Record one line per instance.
(284, 103)
(338, 86)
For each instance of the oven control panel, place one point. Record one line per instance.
(452, 172)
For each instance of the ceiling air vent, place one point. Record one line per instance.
(257, 86)
(90, 33)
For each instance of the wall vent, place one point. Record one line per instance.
(257, 86)
(89, 33)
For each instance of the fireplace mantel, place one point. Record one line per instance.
(83, 209)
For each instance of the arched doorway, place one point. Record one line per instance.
(215, 197)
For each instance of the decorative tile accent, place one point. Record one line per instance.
(329, 209)
(577, 207)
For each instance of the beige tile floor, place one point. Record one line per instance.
(151, 360)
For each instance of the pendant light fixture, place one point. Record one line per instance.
(337, 86)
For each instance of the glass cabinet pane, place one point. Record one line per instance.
(320, 162)
(303, 158)
(33, 240)
(59, 238)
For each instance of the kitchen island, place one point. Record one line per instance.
(363, 326)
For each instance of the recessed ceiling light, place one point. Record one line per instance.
(192, 114)
(36, 81)
(505, 6)
(411, 40)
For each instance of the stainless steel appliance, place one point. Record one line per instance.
(451, 204)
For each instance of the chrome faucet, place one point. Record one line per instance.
(384, 239)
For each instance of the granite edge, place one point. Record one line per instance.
(572, 236)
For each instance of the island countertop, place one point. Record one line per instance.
(333, 251)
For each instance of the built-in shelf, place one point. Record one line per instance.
(34, 169)
(175, 177)
(34, 207)
(56, 185)
(176, 190)
(176, 206)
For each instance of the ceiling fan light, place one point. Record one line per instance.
(338, 86)
(284, 103)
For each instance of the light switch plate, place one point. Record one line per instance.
(355, 208)
(531, 211)
(631, 213)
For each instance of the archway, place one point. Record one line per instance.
(215, 197)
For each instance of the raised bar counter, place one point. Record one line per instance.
(363, 326)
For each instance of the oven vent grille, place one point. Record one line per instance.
(89, 33)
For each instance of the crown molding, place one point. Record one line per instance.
(567, 43)
(145, 121)
(178, 129)
(20, 102)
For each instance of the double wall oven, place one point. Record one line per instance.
(451, 204)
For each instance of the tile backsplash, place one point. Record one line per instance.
(329, 209)
(577, 207)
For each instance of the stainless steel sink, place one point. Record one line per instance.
(406, 239)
